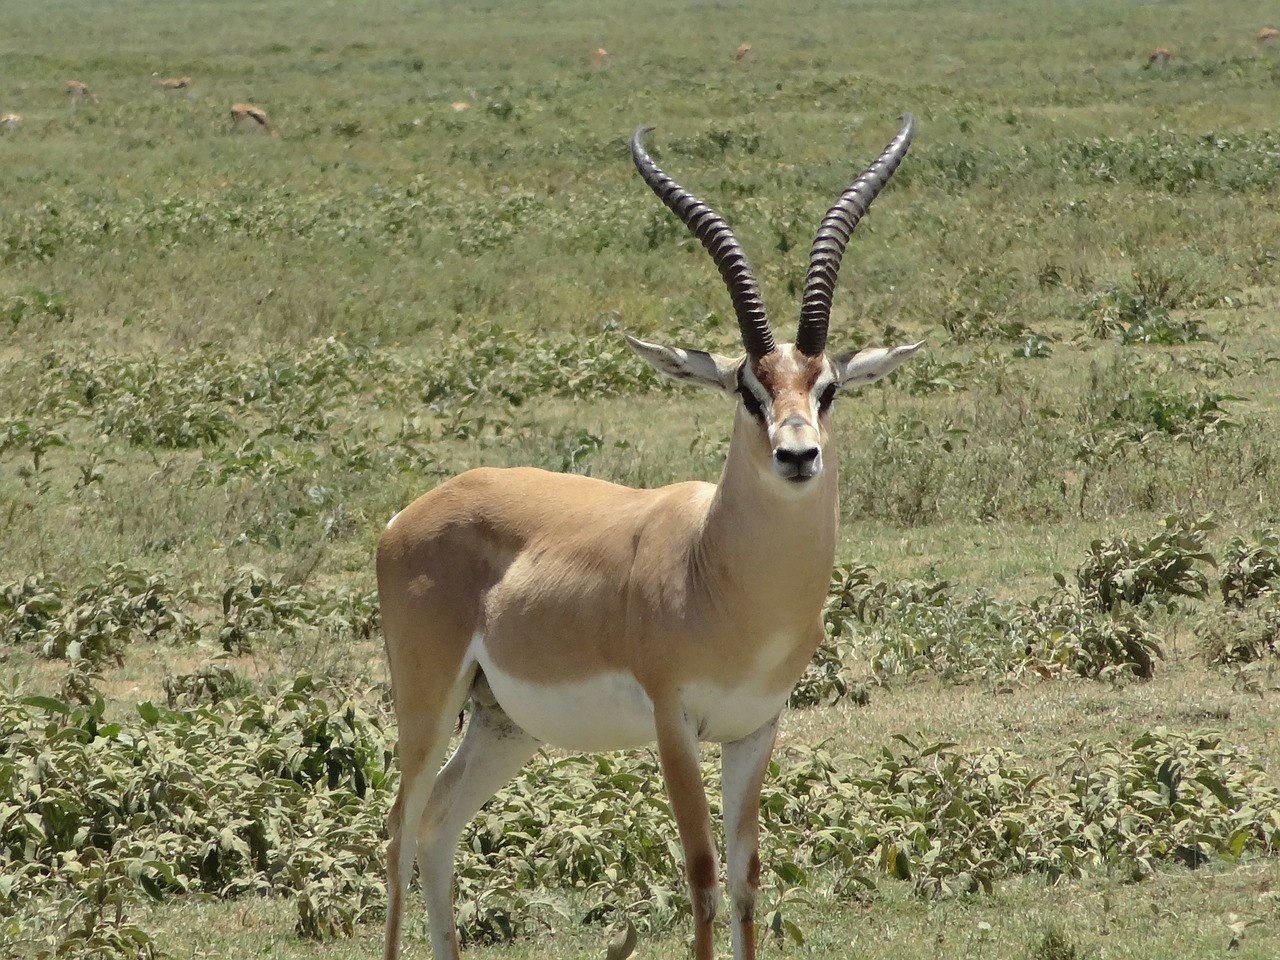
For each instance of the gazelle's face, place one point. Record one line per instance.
(785, 394)
(788, 395)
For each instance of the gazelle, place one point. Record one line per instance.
(1266, 34)
(1159, 56)
(174, 85)
(743, 52)
(10, 121)
(78, 92)
(574, 612)
(246, 118)
(599, 59)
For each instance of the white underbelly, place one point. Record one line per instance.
(605, 712)
(722, 715)
(611, 711)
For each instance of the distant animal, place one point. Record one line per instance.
(1266, 34)
(459, 105)
(180, 85)
(1158, 56)
(246, 118)
(600, 59)
(743, 52)
(78, 92)
(10, 121)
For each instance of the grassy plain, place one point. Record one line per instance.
(224, 353)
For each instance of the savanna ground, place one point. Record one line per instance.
(226, 360)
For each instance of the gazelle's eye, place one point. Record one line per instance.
(828, 395)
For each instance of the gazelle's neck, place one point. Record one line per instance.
(779, 536)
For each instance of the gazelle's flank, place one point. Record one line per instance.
(591, 616)
(246, 118)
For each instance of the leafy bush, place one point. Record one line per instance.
(1157, 327)
(211, 682)
(1143, 574)
(930, 375)
(35, 308)
(33, 435)
(492, 363)
(279, 795)
(1054, 944)
(828, 677)
(1242, 636)
(1143, 411)
(1175, 162)
(985, 303)
(1249, 569)
(953, 822)
(98, 621)
(909, 626)
(1099, 644)
(920, 459)
(1167, 797)
(286, 794)
(255, 604)
(262, 418)
(1140, 310)
(956, 167)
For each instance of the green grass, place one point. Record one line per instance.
(1190, 914)
(221, 352)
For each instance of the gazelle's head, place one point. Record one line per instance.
(785, 390)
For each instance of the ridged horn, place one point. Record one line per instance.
(714, 234)
(833, 236)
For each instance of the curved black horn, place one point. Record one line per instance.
(714, 234)
(833, 237)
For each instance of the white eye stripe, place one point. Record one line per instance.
(824, 386)
(748, 382)
(754, 393)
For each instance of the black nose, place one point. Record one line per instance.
(797, 463)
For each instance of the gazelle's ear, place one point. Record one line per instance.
(860, 367)
(690, 366)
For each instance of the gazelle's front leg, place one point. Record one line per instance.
(743, 764)
(678, 751)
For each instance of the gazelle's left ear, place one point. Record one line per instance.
(690, 366)
(860, 367)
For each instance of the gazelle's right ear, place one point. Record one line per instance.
(690, 366)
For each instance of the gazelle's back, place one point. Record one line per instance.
(495, 514)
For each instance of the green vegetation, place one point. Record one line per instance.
(225, 361)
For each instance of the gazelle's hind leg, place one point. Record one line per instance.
(491, 753)
(422, 748)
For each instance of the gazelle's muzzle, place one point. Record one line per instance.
(797, 453)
